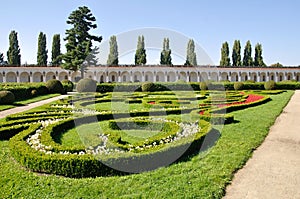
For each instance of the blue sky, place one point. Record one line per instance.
(274, 24)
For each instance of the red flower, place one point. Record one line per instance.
(152, 102)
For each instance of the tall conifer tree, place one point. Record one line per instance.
(140, 54)
(225, 60)
(165, 56)
(13, 53)
(247, 59)
(236, 53)
(79, 40)
(191, 58)
(42, 54)
(56, 53)
(113, 52)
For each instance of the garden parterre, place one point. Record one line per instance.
(208, 189)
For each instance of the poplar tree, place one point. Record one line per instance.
(56, 53)
(225, 60)
(191, 58)
(113, 52)
(165, 56)
(236, 53)
(42, 51)
(79, 40)
(13, 53)
(1, 58)
(258, 59)
(140, 54)
(247, 59)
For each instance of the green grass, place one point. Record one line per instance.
(203, 176)
(87, 134)
(27, 101)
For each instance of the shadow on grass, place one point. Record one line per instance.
(18, 104)
(174, 155)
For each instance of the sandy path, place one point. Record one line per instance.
(274, 169)
(29, 106)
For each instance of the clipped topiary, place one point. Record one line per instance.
(203, 86)
(6, 97)
(68, 85)
(55, 86)
(270, 85)
(238, 86)
(34, 93)
(86, 85)
(148, 87)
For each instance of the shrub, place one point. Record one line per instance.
(203, 86)
(270, 85)
(6, 97)
(68, 85)
(55, 86)
(34, 93)
(238, 86)
(86, 85)
(148, 87)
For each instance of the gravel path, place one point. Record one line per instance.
(29, 106)
(274, 169)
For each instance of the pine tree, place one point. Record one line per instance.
(42, 51)
(258, 59)
(113, 52)
(236, 53)
(56, 54)
(140, 54)
(13, 53)
(165, 56)
(247, 59)
(191, 58)
(225, 60)
(92, 59)
(79, 40)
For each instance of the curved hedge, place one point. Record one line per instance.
(87, 165)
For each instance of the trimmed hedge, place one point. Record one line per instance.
(8, 132)
(86, 85)
(237, 107)
(148, 87)
(55, 86)
(89, 166)
(67, 85)
(173, 86)
(23, 91)
(6, 97)
(270, 85)
(238, 86)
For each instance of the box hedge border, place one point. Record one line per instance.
(79, 166)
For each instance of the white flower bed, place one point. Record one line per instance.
(187, 129)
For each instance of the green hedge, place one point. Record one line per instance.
(88, 165)
(8, 132)
(23, 91)
(237, 107)
(175, 86)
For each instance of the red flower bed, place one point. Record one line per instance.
(251, 98)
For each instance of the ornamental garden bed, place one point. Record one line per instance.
(119, 127)
(70, 137)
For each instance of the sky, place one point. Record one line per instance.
(273, 23)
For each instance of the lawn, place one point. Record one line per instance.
(202, 176)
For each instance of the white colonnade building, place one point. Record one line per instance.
(151, 73)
